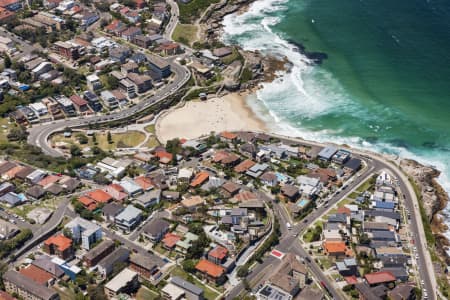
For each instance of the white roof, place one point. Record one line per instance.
(185, 173)
(173, 291)
(38, 106)
(121, 280)
(92, 77)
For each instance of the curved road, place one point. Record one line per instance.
(39, 134)
(290, 243)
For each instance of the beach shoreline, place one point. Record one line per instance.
(199, 118)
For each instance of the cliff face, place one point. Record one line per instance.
(433, 195)
(434, 200)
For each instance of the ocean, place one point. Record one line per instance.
(384, 86)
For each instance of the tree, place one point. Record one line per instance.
(17, 134)
(189, 265)
(109, 137)
(94, 139)
(242, 271)
(112, 82)
(7, 61)
(82, 139)
(75, 150)
(67, 233)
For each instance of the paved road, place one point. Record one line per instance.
(289, 240)
(172, 24)
(411, 202)
(39, 134)
(42, 232)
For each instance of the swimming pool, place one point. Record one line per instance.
(302, 203)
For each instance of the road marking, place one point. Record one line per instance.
(277, 254)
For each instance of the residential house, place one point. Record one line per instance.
(169, 240)
(291, 275)
(126, 282)
(192, 292)
(336, 249)
(290, 191)
(269, 179)
(129, 33)
(377, 278)
(211, 271)
(129, 218)
(145, 266)
(111, 210)
(347, 267)
(156, 229)
(96, 254)
(18, 284)
(192, 203)
(149, 198)
(143, 41)
(218, 255)
(117, 192)
(142, 83)
(182, 246)
(106, 265)
(85, 232)
(159, 66)
(60, 246)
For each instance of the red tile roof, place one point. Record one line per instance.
(219, 252)
(5, 296)
(60, 241)
(36, 274)
(164, 156)
(77, 100)
(4, 3)
(88, 203)
(335, 247)
(200, 178)
(351, 279)
(228, 135)
(49, 179)
(244, 166)
(379, 277)
(245, 196)
(99, 196)
(209, 268)
(144, 182)
(170, 240)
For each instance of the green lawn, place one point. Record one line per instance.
(185, 34)
(120, 140)
(150, 128)
(146, 294)
(152, 142)
(344, 202)
(4, 129)
(365, 186)
(209, 294)
(326, 263)
(191, 11)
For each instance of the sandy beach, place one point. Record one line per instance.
(197, 118)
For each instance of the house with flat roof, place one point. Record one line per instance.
(327, 153)
(85, 232)
(126, 282)
(146, 266)
(96, 254)
(129, 218)
(106, 265)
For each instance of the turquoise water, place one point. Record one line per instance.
(385, 85)
(302, 203)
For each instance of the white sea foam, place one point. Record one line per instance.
(307, 92)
